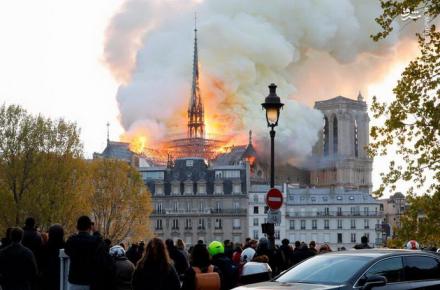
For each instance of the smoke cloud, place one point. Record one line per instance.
(311, 49)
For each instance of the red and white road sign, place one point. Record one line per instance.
(274, 199)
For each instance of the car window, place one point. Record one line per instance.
(421, 268)
(391, 268)
(325, 269)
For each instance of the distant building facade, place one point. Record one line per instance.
(339, 217)
(194, 201)
(340, 157)
(394, 207)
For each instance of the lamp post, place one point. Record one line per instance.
(272, 104)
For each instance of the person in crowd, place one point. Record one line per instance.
(253, 244)
(180, 245)
(284, 255)
(312, 247)
(122, 245)
(325, 248)
(237, 254)
(247, 243)
(201, 264)
(50, 261)
(132, 253)
(180, 262)
(18, 267)
(297, 246)
(124, 269)
(363, 244)
(155, 269)
(226, 266)
(90, 266)
(229, 248)
(141, 250)
(32, 238)
(7, 239)
(263, 249)
(301, 254)
(255, 268)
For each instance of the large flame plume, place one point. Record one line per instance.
(311, 49)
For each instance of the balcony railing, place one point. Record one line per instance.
(335, 214)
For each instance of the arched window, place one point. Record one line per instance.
(325, 135)
(356, 141)
(335, 135)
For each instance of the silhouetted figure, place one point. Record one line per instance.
(124, 269)
(284, 255)
(132, 253)
(301, 254)
(363, 244)
(32, 238)
(180, 262)
(50, 261)
(18, 267)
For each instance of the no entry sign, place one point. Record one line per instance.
(274, 199)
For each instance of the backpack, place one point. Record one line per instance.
(208, 280)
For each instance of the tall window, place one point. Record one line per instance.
(339, 224)
(158, 224)
(255, 209)
(314, 224)
(325, 133)
(201, 225)
(339, 238)
(218, 224)
(292, 224)
(303, 224)
(353, 224)
(353, 237)
(356, 141)
(255, 221)
(366, 223)
(335, 135)
(236, 224)
(175, 224)
(188, 224)
(326, 224)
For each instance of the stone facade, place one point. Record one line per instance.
(394, 207)
(194, 201)
(339, 217)
(340, 157)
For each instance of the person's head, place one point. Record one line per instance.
(117, 252)
(30, 223)
(238, 247)
(364, 240)
(56, 234)
(16, 235)
(285, 242)
(312, 244)
(227, 243)
(216, 248)
(84, 224)
(200, 256)
(122, 245)
(180, 244)
(325, 248)
(263, 244)
(155, 255)
(169, 243)
(253, 244)
(200, 242)
(297, 244)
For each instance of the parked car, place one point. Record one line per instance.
(382, 269)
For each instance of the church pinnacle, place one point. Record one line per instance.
(196, 121)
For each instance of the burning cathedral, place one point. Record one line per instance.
(203, 192)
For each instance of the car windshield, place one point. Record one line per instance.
(325, 269)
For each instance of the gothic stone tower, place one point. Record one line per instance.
(340, 157)
(196, 121)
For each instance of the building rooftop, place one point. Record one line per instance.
(328, 196)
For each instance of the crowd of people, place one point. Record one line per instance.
(30, 260)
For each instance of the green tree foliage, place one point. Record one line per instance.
(121, 204)
(421, 221)
(412, 119)
(40, 168)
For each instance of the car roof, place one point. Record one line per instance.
(379, 253)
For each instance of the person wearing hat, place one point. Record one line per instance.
(124, 269)
(227, 268)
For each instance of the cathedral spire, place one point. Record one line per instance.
(196, 122)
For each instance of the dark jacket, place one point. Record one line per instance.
(301, 254)
(18, 268)
(124, 270)
(50, 265)
(151, 278)
(90, 264)
(32, 240)
(284, 257)
(228, 269)
(189, 280)
(180, 262)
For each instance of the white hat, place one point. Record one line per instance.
(247, 255)
(117, 251)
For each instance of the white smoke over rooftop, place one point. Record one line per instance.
(243, 47)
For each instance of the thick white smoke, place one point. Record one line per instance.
(243, 47)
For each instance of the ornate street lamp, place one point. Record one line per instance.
(272, 104)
